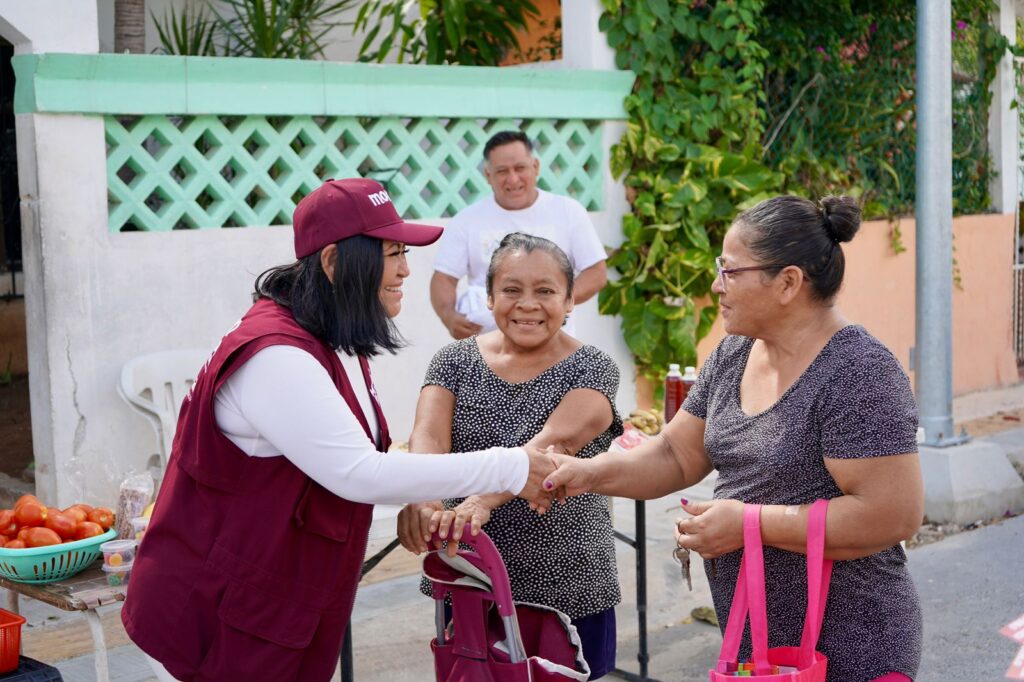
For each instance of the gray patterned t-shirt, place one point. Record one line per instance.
(565, 558)
(853, 401)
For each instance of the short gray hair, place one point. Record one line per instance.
(528, 243)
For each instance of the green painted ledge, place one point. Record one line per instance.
(151, 84)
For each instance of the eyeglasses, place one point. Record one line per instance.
(723, 271)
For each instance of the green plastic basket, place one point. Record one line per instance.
(53, 562)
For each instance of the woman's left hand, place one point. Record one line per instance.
(452, 523)
(715, 527)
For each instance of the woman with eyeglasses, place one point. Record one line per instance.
(796, 404)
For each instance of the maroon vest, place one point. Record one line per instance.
(249, 568)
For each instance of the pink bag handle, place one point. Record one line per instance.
(748, 598)
(819, 576)
(749, 595)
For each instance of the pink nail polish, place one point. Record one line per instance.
(547, 485)
(683, 501)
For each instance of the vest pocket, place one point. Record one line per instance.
(322, 512)
(259, 636)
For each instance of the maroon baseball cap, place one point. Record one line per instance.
(339, 209)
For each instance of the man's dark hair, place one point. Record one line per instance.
(348, 315)
(506, 137)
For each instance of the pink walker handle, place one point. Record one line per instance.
(486, 557)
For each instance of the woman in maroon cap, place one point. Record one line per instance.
(258, 535)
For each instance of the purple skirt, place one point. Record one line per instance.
(597, 634)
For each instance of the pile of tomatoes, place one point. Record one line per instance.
(32, 524)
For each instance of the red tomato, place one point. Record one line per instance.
(8, 526)
(84, 507)
(30, 514)
(26, 498)
(88, 529)
(62, 524)
(15, 544)
(41, 537)
(76, 513)
(102, 516)
(22, 532)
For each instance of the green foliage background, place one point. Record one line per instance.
(444, 32)
(739, 100)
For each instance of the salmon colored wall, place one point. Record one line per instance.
(550, 12)
(878, 293)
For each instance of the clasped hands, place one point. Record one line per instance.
(552, 477)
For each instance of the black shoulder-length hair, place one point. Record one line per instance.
(348, 315)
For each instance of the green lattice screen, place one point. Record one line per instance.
(180, 172)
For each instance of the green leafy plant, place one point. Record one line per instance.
(291, 29)
(189, 33)
(737, 100)
(443, 32)
(691, 160)
(287, 29)
(841, 107)
(896, 237)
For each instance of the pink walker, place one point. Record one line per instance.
(490, 637)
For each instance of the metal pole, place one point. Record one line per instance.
(639, 544)
(933, 357)
(347, 674)
(641, 585)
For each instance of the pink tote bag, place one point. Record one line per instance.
(781, 664)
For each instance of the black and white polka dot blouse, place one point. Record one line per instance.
(566, 558)
(853, 401)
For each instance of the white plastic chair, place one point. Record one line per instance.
(156, 384)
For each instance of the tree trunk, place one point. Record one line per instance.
(130, 26)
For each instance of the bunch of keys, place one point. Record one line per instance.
(682, 557)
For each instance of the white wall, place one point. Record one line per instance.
(48, 25)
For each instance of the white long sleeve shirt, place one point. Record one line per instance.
(282, 402)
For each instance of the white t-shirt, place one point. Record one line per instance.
(283, 402)
(474, 233)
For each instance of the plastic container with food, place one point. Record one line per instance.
(118, 575)
(135, 493)
(118, 552)
(139, 526)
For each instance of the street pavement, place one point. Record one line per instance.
(970, 585)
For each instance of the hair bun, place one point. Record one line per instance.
(842, 217)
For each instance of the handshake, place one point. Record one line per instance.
(554, 476)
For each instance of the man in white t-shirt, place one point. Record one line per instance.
(517, 205)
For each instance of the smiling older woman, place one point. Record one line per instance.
(796, 404)
(528, 382)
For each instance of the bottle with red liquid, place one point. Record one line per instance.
(677, 387)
